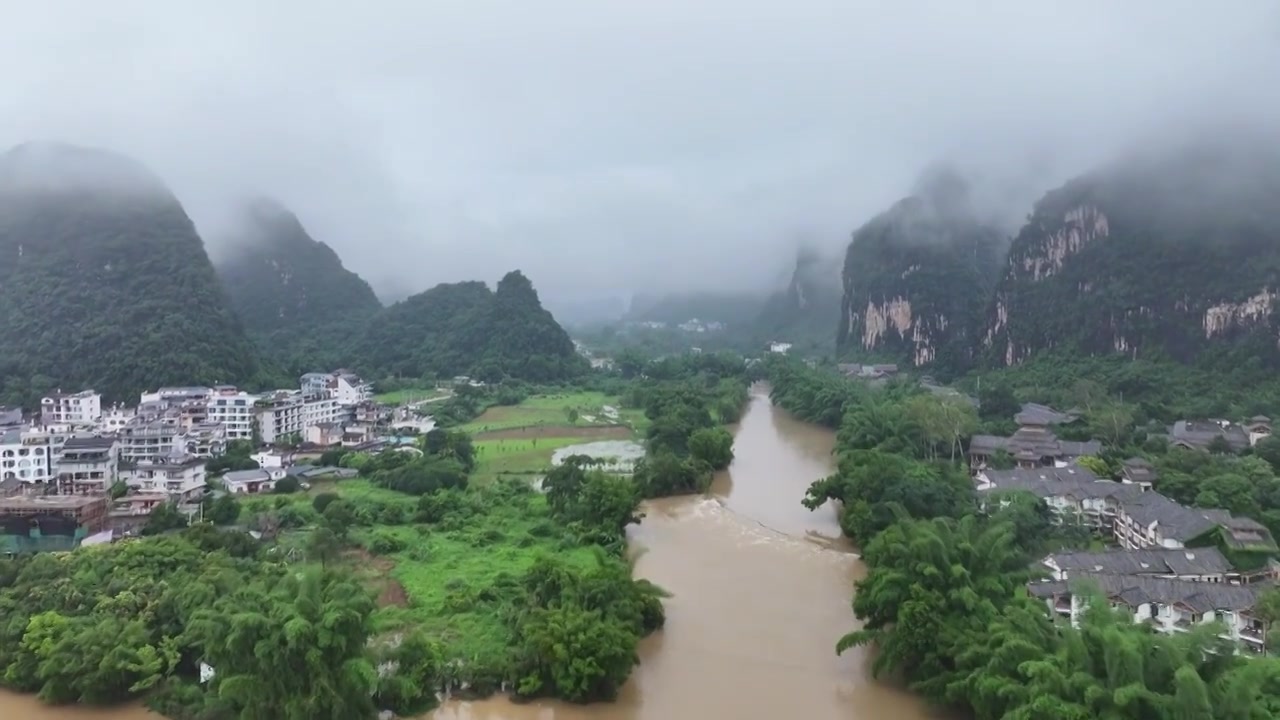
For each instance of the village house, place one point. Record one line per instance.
(779, 347)
(1139, 471)
(324, 434)
(867, 372)
(88, 465)
(114, 419)
(81, 409)
(206, 440)
(1074, 493)
(252, 482)
(31, 454)
(1201, 434)
(178, 476)
(341, 385)
(1034, 444)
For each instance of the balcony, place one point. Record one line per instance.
(1253, 634)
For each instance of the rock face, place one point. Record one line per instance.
(1168, 254)
(104, 282)
(295, 298)
(465, 328)
(917, 279)
(807, 311)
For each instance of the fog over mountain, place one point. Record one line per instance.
(609, 147)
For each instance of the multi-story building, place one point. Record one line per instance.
(234, 409)
(82, 408)
(1167, 605)
(206, 440)
(177, 395)
(114, 419)
(149, 437)
(27, 456)
(10, 417)
(342, 385)
(88, 465)
(289, 412)
(178, 475)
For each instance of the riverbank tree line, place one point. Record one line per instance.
(687, 401)
(944, 601)
(139, 618)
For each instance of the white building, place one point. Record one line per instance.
(82, 408)
(289, 412)
(342, 385)
(88, 465)
(177, 395)
(114, 418)
(27, 456)
(272, 460)
(252, 482)
(177, 475)
(149, 438)
(206, 440)
(234, 409)
(779, 347)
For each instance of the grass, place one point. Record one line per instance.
(457, 574)
(399, 397)
(540, 410)
(516, 456)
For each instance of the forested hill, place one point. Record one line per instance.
(917, 279)
(807, 312)
(104, 282)
(1170, 253)
(295, 298)
(736, 310)
(466, 329)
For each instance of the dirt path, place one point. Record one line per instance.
(377, 572)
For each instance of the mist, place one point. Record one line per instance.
(606, 148)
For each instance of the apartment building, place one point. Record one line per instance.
(26, 456)
(82, 408)
(234, 409)
(176, 395)
(149, 437)
(88, 465)
(178, 475)
(289, 412)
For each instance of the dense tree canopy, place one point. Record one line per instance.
(104, 282)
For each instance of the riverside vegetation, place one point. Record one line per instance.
(944, 602)
(418, 577)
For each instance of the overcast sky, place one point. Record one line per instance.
(600, 144)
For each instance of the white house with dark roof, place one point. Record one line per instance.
(252, 482)
(1167, 605)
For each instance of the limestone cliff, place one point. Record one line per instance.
(1167, 254)
(917, 279)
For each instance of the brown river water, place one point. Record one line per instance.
(760, 593)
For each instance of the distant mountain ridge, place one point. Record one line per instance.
(296, 299)
(104, 282)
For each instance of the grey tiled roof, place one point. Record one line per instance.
(1043, 415)
(1199, 433)
(1136, 590)
(1161, 561)
(1175, 521)
(1031, 443)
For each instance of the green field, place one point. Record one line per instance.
(516, 456)
(542, 410)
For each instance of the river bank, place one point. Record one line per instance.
(759, 589)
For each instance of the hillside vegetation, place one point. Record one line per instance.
(104, 282)
(295, 298)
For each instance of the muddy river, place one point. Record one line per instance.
(760, 593)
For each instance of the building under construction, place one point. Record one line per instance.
(45, 523)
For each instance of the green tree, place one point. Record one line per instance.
(323, 545)
(163, 518)
(713, 446)
(223, 511)
(316, 626)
